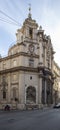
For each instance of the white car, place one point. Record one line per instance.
(57, 105)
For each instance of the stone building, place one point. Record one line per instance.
(56, 86)
(26, 74)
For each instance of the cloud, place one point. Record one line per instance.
(46, 12)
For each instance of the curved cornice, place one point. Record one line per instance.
(19, 68)
(19, 54)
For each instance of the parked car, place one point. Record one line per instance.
(57, 105)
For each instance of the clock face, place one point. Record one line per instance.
(31, 48)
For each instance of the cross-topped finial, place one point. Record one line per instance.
(29, 15)
(29, 8)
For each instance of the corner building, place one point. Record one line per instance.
(26, 74)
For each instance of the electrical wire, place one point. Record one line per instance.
(6, 21)
(10, 17)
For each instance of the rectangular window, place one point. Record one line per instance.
(14, 63)
(21, 38)
(4, 65)
(4, 95)
(31, 63)
(14, 77)
(14, 93)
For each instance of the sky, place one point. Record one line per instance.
(45, 12)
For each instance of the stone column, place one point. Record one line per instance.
(40, 92)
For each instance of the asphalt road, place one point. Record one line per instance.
(30, 120)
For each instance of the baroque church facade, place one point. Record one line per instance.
(26, 74)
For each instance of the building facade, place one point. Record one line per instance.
(26, 74)
(56, 86)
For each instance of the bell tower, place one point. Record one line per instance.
(29, 29)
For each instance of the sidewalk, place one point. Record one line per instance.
(17, 110)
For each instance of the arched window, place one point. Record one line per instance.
(31, 33)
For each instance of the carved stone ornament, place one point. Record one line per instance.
(31, 48)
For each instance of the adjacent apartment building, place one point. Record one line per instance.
(56, 86)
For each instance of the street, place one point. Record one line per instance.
(48, 119)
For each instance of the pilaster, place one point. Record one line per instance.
(9, 89)
(40, 90)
